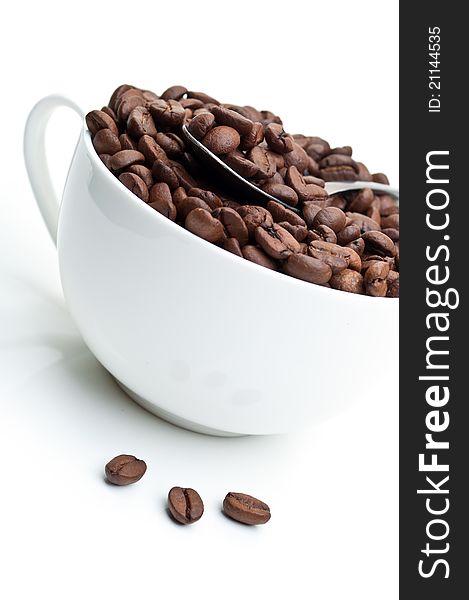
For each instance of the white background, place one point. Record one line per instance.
(329, 69)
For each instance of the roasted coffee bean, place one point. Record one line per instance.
(393, 234)
(308, 268)
(185, 505)
(160, 199)
(201, 222)
(254, 137)
(246, 509)
(379, 243)
(209, 197)
(277, 139)
(348, 234)
(125, 469)
(322, 233)
(281, 213)
(225, 116)
(140, 122)
(239, 163)
(276, 241)
(97, 119)
(232, 245)
(127, 104)
(151, 150)
(106, 159)
(336, 263)
(282, 192)
(221, 140)
(375, 279)
(353, 260)
(254, 217)
(380, 178)
(331, 217)
(117, 93)
(162, 171)
(299, 232)
(127, 143)
(135, 184)
(186, 204)
(201, 124)
(364, 222)
(175, 92)
(204, 98)
(106, 142)
(264, 162)
(233, 223)
(348, 281)
(390, 222)
(258, 256)
(143, 172)
(167, 113)
(362, 200)
(357, 245)
(125, 158)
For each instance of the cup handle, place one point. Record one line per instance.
(36, 160)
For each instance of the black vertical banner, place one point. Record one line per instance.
(434, 423)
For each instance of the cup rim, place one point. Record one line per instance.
(178, 230)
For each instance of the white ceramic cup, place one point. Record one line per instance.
(195, 334)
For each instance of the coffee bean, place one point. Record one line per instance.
(97, 119)
(379, 243)
(282, 192)
(375, 279)
(232, 245)
(348, 234)
(175, 92)
(390, 222)
(221, 140)
(393, 234)
(331, 217)
(233, 223)
(254, 217)
(162, 171)
(258, 256)
(160, 199)
(264, 162)
(108, 110)
(246, 509)
(171, 143)
(239, 163)
(140, 122)
(299, 232)
(357, 245)
(125, 469)
(167, 113)
(276, 241)
(204, 98)
(363, 173)
(322, 233)
(348, 281)
(135, 184)
(127, 104)
(207, 196)
(201, 222)
(143, 172)
(380, 178)
(254, 137)
(201, 124)
(125, 158)
(187, 204)
(225, 116)
(336, 263)
(106, 159)
(185, 505)
(308, 268)
(277, 139)
(310, 210)
(151, 150)
(362, 200)
(296, 158)
(117, 93)
(281, 213)
(106, 142)
(127, 143)
(393, 284)
(352, 259)
(364, 223)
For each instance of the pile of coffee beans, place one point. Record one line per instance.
(348, 242)
(185, 504)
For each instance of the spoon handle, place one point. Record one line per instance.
(336, 187)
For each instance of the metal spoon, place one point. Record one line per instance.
(243, 186)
